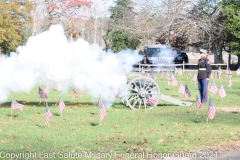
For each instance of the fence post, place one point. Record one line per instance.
(183, 66)
(227, 66)
(139, 66)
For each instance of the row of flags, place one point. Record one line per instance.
(171, 79)
(148, 99)
(43, 93)
(214, 89)
(75, 93)
(61, 105)
(184, 90)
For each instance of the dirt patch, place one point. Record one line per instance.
(230, 109)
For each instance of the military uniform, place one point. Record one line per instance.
(204, 72)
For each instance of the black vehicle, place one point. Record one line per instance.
(158, 55)
(181, 57)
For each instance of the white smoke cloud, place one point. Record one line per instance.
(50, 59)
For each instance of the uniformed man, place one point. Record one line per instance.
(204, 72)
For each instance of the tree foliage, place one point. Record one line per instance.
(231, 21)
(15, 23)
(206, 15)
(116, 37)
(120, 40)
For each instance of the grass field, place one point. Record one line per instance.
(77, 133)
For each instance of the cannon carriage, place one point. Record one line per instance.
(144, 92)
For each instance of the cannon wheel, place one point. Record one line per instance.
(133, 75)
(123, 88)
(137, 90)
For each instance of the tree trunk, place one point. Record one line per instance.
(238, 59)
(217, 50)
(229, 59)
(95, 30)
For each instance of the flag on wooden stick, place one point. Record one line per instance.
(174, 81)
(238, 71)
(16, 106)
(150, 100)
(198, 103)
(61, 106)
(211, 110)
(74, 93)
(176, 70)
(217, 75)
(42, 94)
(213, 88)
(230, 82)
(46, 90)
(189, 74)
(228, 73)
(219, 71)
(221, 92)
(181, 88)
(187, 93)
(102, 110)
(180, 71)
(48, 115)
(195, 80)
(82, 91)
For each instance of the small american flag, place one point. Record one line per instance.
(238, 71)
(194, 78)
(198, 103)
(61, 106)
(174, 82)
(102, 110)
(48, 115)
(211, 76)
(143, 72)
(220, 71)
(46, 90)
(189, 74)
(16, 106)
(211, 110)
(74, 93)
(230, 82)
(169, 81)
(42, 94)
(81, 91)
(221, 92)
(150, 100)
(114, 94)
(213, 88)
(180, 71)
(218, 75)
(162, 74)
(151, 75)
(176, 70)
(187, 93)
(181, 88)
(159, 71)
(228, 73)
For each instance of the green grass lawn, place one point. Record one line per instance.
(165, 129)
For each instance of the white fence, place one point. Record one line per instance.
(171, 67)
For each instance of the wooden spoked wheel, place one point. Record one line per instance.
(139, 91)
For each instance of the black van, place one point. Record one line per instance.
(158, 55)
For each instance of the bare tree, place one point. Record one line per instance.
(206, 17)
(63, 12)
(152, 20)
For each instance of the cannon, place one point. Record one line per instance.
(139, 89)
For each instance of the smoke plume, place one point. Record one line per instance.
(52, 60)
